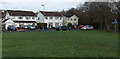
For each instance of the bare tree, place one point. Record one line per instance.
(99, 14)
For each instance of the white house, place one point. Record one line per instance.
(0, 19)
(19, 18)
(70, 19)
(53, 19)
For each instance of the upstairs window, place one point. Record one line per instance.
(46, 17)
(27, 18)
(38, 18)
(56, 17)
(20, 17)
(33, 18)
(51, 17)
(75, 19)
(60, 18)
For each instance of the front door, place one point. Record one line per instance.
(50, 25)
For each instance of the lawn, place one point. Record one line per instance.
(60, 44)
(0, 45)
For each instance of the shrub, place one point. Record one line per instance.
(41, 25)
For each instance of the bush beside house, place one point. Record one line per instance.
(41, 25)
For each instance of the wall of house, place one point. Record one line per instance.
(40, 18)
(23, 18)
(0, 21)
(65, 21)
(16, 18)
(50, 22)
(7, 15)
(73, 19)
(8, 22)
(54, 22)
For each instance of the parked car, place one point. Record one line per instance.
(12, 28)
(25, 27)
(87, 27)
(30, 27)
(62, 28)
(19, 28)
(80, 26)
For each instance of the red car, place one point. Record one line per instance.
(80, 26)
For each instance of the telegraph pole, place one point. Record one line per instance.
(43, 16)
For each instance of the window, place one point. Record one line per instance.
(38, 18)
(51, 17)
(56, 24)
(33, 18)
(60, 18)
(20, 17)
(56, 17)
(71, 19)
(46, 17)
(75, 19)
(50, 25)
(27, 18)
(21, 24)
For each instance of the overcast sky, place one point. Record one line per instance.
(35, 5)
(50, 5)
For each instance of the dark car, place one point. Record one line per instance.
(62, 28)
(12, 28)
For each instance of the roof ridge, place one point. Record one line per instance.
(48, 11)
(21, 13)
(51, 13)
(20, 10)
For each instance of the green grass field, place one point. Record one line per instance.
(0, 45)
(60, 44)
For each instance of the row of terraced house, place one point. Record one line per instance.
(21, 18)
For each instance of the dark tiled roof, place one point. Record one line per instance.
(21, 13)
(20, 21)
(68, 15)
(4, 20)
(25, 21)
(47, 13)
